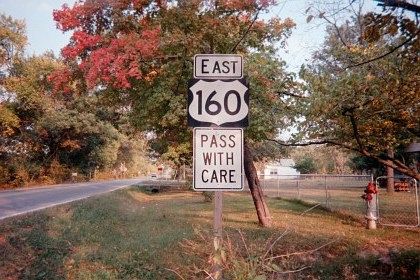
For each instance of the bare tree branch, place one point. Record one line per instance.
(247, 30)
(391, 162)
(243, 241)
(275, 241)
(171, 270)
(304, 252)
(337, 31)
(294, 271)
(396, 164)
(315, 142)
(385, 54)
(399, 4)
(291, 94)
(309, 210)
(355, 130)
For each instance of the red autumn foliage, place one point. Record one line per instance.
(115, 42)
(68, 18)
(82, 13)
(107, 58)
(81, 42)
(118, 61)
(60, 80)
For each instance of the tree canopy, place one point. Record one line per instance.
(140, 52)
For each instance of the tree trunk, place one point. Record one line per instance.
(390, 175)
(264, 217)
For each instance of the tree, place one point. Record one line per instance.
(20, 143)
(140, 53)
(45, 134)
(12, 41)
(322, 159)
(306, 165)
(371, 108)
(362, 164)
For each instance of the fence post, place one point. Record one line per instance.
(298, 189)
(417, 201)
(326, 192)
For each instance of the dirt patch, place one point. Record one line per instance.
(163, 196)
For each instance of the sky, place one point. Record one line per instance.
(40, 27)
(43, 34)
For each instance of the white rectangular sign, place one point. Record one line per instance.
(218, 66)
(218, 160)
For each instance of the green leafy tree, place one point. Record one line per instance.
(361, 164)
(12, 42)
(306, 165)
(20, 144)
(326, 159)
(360, 94)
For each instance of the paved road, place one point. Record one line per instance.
(16, 202)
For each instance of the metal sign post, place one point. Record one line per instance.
(217, 235)
(218, 106)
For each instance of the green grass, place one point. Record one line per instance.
(134, 234)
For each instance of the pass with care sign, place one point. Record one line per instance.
(217, 163)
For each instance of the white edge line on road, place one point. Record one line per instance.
(62, 202)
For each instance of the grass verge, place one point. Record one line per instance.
(135, 234)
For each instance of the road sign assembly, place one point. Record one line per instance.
(218, 159)
(218, 107)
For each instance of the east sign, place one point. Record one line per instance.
(218, 66)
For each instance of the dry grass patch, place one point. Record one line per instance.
(164, 196)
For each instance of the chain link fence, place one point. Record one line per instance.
(342, 193)
(400, 208)
(335, 192)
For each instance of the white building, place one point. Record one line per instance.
(284, 168)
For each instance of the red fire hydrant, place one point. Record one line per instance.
(371, 210)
